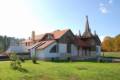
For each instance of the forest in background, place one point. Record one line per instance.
(111, 44)
(5, 42)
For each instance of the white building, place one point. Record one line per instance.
(63, 44)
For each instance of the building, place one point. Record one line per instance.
(63, 44)
(20, 50)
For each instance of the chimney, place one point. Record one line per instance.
(33, 36)
(29, 38)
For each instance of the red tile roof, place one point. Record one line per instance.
(42, 44)
(59, 33)
(56, 35)
(46, 44)
(39, 37)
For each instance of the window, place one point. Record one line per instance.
(53, 49)
(68, 48)
(50, 36)
(26, 43)
(85, 52)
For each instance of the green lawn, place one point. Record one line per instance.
(61, 71)
(111, 54)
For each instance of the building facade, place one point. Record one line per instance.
(63, 44)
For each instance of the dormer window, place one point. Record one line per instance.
(49, 36)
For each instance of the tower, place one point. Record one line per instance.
(87, 33)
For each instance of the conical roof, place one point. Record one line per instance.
(87, 33)
(97, 39)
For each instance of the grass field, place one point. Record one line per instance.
(111, 54)
(61, 71)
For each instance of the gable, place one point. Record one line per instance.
(98, 42)
(48, 36)
(68, 37)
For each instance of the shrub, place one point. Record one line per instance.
(22, 59)
(34, 59)
(15, 62)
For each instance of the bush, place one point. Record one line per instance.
(34, 60)
(15, 62)
(22, 59)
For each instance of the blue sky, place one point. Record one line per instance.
(20, 17)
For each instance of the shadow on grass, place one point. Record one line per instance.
(111, 57)
(36, 63)
(23, 70)
(91, 61)
(81, 68)
(67, 61)
(38, 77)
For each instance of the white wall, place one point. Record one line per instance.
(74, 51)
(32, 52)
(45, 53)
(62, 48)
(98, 50)
(80, 52)
(63, 51)
(62, 54)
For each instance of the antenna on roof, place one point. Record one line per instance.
(95, 32)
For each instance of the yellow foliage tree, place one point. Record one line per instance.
(111, 44)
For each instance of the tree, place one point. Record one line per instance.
(111, 44)
(15, 62)
(117, 43)
(107, 44)
(5, 42)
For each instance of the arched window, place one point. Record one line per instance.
(53, 49)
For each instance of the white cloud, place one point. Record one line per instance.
(110, 1)
(104, 7)
(101, 4)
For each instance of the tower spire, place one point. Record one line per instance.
(87, 28)
(87, 33)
